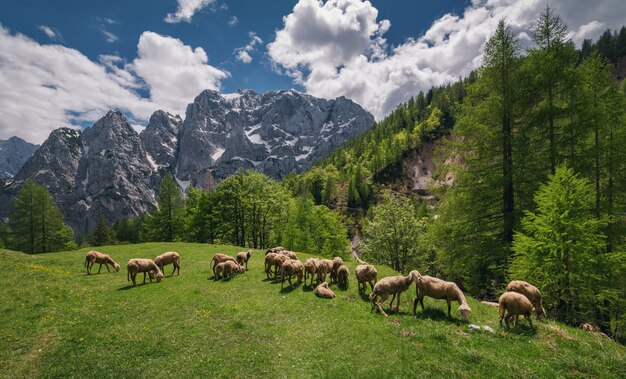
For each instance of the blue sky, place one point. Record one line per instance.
(64, 63)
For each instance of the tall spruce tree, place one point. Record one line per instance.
(166, 223)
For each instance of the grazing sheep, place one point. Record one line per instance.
(310, 267)
(138, 265)
(219, 270)
(324, 292)
(392, 285)
(289, 254)
(531, 292)
(167, 258)
(514, 304)
(269, 263)
(440, 289)
(217, 258)
(275, 250)
(337, 262)
(325, 267)
(289, 268)
(366, 274)
(278, 261)
(243, 257)
(231, 268)
(342, 276)
(97, 257)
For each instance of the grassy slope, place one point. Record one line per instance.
(56, 321)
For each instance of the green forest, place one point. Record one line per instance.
(534, 141)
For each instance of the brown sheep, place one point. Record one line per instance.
(278, 261)
(392, 285)
(138, 265)
(289, 254)
(514, 304)
(289, 268)
(97, 257)
(217, 258)
(440, 289)
(366, 274)
(231, 268)
(342, 276)
(219, 270)
(325, 267)
(269, 263)
(337, 262)
(275, 250)
(324, 292)
(171, 257)
(243, 257)
(531, 292)
(310, 267)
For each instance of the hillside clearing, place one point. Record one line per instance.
(56, 321)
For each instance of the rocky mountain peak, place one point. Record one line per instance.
(14, 152)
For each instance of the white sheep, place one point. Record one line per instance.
(138, 265)
(514, 304)
(171, 257)
(440, 289)
(243, 257)
(531, 292)
(392, 285)
(289, 268)
(337, 262)
(98, 257)
(217, 258)
(366, 274)
(342, 276)
(324, 292)
(310, 267)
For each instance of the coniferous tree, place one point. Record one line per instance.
(101, 234)
(165, 223)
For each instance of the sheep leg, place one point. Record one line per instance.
(144, 278)
(529, 318)
(398, 302)
(100, 268)
(449, 307)
(133, 276)
(392, 299)
(383, 297)
(107, 266)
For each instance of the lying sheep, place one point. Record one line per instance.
(231, 268)
(342, 276)
(243, 257)
(289, 268)
(138, 265)
(440, 289)
(171, 257)
(366, 274)
(310, 267)
(97, 257)
(325, 267)
(219, 270)
(337, 262)
(217, 258)
(324, 292)
(514, 304)
(531, 292)
(392, 285)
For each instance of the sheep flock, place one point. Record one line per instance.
(282, 265)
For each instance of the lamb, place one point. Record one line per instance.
(337, 262)
(440, 289)
(217, 258)
(531, 292)
(310, 267)
(219, 270)
(97, 257)
(289, 268)
(325, 267)
(514, 304)
(167, 258)
(243, 258)
(366, 274)
(342, 276)
(231, 268)
(392, 285)
(138, 265)
(324, 292)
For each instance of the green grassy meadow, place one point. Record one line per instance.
(58, 322)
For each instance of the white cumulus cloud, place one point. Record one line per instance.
(243, 53)
(43, 87)
(186, 10)
(338, 47)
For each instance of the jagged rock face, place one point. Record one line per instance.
(160, 139)
(14, 152)
(102, 171)
(275, 133)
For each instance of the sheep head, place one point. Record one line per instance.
(465, 311)
(116, 266)
(415, 276)
(159, 276)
